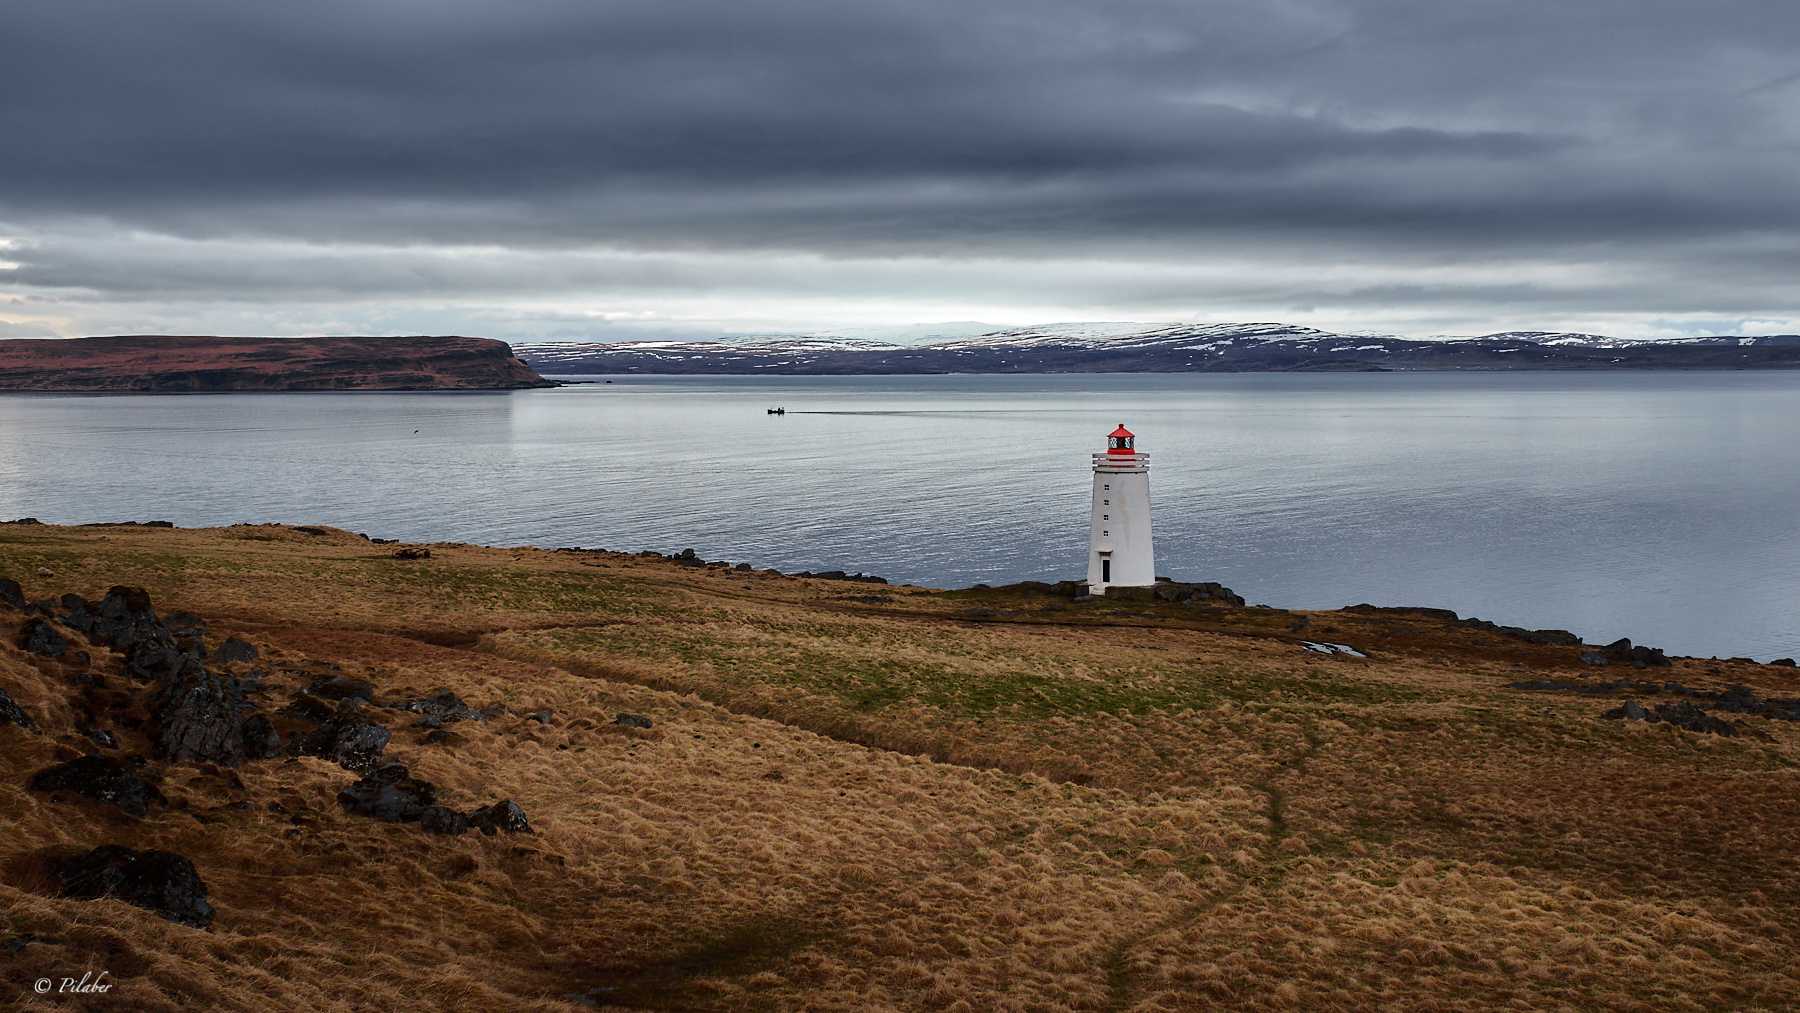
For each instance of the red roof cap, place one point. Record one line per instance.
(1119, 432)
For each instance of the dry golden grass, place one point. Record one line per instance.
(936, 801)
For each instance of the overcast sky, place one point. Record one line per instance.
(593, 170)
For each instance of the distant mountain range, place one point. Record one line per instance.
(1165, 348)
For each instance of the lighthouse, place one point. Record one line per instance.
(1119, 534)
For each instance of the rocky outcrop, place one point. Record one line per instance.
(158, 881)
(180, 363)
(102, 779)
(40, 638)
(390, 793)
(346, 740)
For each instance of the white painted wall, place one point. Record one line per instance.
(1120, 529)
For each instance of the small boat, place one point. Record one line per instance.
(778, 411)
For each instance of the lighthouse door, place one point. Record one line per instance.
(1105, 570)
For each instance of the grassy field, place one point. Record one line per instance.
(857, 797)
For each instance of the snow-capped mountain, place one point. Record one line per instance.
(1136, 347)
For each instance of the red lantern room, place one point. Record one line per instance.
(1119, 441)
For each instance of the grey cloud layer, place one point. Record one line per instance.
(1400, 129)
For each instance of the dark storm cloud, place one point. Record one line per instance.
(853, 125)
(524, 167)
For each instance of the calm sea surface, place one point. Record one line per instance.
(1659, 506)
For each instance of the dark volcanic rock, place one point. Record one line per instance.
(1593, 658)
(440, 709)
(307, 707)
(632, 721)
(235, 649)
(391, 794)
(412, 552)
(102, 779)
(261, 740)
(541, 717)
(41, 639)
(200, 717)
(343, 739)
(11, 593)
(158, 881)
(439, 820)
(1637, 657)
(12, 713)
(101, 737)
(502, 815)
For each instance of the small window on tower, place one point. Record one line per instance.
(1106, 487)
(1106, 517)
(1106, 502)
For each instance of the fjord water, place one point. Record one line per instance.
(1659, 506)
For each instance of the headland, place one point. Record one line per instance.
(193, 364)
(313, 766)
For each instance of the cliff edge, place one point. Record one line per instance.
(170, 363)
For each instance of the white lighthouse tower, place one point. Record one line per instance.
(1119, 537)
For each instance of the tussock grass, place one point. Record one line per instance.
(859, 806)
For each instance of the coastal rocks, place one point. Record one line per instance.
(439, 820)
(161, 882)
(12, 713)
(1637, 657)
(412, 552)
(632, 721)
(1593, 658)
(344, 740)
(102, 779)
(11, 593)
(40, 638)
(1204, 591)
(1681, 714)
(389, 793)
(1546, 638)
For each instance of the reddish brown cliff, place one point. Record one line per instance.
(186, 363)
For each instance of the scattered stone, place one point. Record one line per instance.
(12, 713)
(503, 815)
(1593, 658)
(343, 739)
(541, 717)
(441, 708)
(40, 638)
(389, 793)
(746, 568)
(1681, 714)
(440, 737)
(412, 552)
(235, 649)
(158, 881)
(1786, 662)
(1637, 657)
(101, 737)
(632, 721)
(102, 779)
(11, 593)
